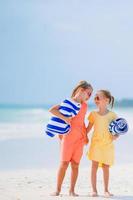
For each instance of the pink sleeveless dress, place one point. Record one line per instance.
(72, 143)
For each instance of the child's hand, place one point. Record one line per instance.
(68, 120)
(114, 137)
(86, 140)
(60, 137)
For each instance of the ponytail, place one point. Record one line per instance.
(112, 101)
(108, 95)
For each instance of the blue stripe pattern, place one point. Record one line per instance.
(118, 126)
(56, 119)
(71, 104)
(68, 108)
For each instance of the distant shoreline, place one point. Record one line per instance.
(123, 103)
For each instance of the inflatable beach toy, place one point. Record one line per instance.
(68, 108)
(118, 126)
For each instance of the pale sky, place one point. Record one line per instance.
(47, 46)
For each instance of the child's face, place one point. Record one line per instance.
(101, 100)
(85, 94)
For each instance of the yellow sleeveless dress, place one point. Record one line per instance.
(101, 147)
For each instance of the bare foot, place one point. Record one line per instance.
(73, 194)
(55, 193)
(108, 194)
(94, 194)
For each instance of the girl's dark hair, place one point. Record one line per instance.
(108, 95)
(81, 84)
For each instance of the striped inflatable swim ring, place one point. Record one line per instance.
(118, 126)
(68, 108)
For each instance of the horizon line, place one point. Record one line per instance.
(121, 102)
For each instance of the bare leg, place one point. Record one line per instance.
(60, 177)
(94, 177)
(106, 180)
(74, 175)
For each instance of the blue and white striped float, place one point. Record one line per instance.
(118, 126)
(68, 108)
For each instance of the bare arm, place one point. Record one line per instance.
(86, 132)
(55, 111)
(89, 127)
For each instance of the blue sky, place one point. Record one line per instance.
(47, 46)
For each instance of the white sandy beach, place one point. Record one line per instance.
(38, 184)
(29, 161)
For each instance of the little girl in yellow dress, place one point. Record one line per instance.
(101, 150)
